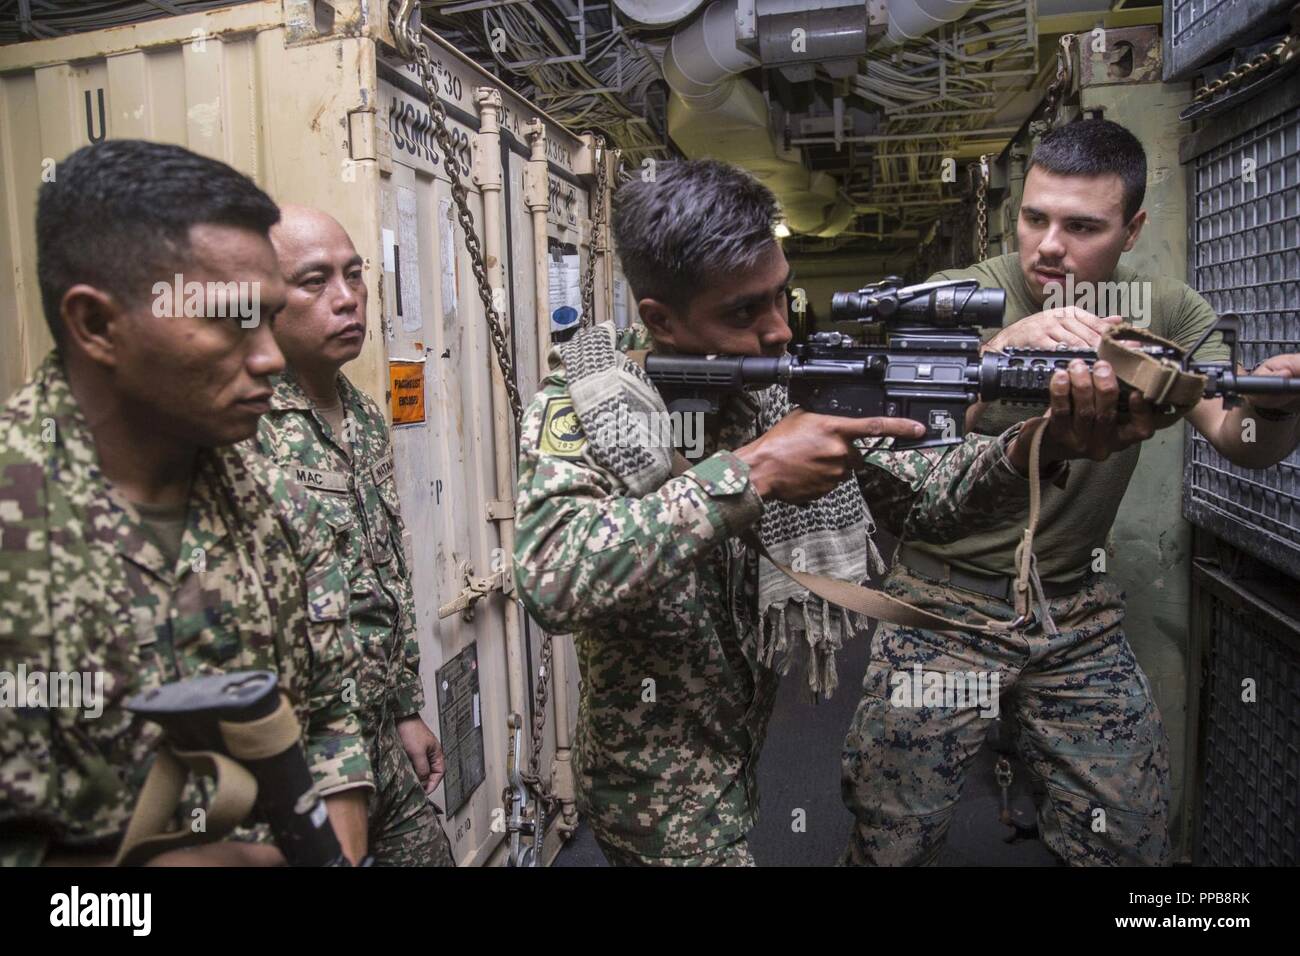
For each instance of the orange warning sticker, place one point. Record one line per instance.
(406, 392)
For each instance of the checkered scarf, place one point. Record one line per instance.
(831, 536)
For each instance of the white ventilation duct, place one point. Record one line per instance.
(703, 57)
(657, 13)
(715, 113)
(912, 19)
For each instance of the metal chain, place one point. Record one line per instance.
(541, 700)
(415, 49)
(597, 220)
(1279, 54)
(438, 112)
(1064, 69)
(982, 209)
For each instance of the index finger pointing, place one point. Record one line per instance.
(879, 428)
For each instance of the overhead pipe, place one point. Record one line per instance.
(913, 19)
(712, 106)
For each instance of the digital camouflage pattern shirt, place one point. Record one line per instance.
(663, 602)
(84, 590)
(356, 492)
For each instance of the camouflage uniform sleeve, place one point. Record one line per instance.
(583, 551)
(27, 779)
(336, 749)
(942, 494)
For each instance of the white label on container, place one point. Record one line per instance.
(477, 715)
(390, 240)
(407, 256)
(447, 259)
(566, 296)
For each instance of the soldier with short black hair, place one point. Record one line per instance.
(1089, 729)
(681, 629)
(136, 543)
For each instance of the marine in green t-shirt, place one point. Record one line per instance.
(1072, 524)
(1088, 727)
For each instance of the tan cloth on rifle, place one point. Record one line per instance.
(147, 835)
(1161, 381)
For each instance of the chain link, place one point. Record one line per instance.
(1279, 54)
(541, 700)
(597, 221)
(438, 112)
(1062, 80)
(982, 209)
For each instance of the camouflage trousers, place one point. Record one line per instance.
(733, 854)
(1089, 730)
(404, 829)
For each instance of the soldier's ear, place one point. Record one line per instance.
(88, 316)
(659, 319)
(1134, 229)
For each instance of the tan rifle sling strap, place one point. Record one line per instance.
(1160, 380)
(233, 796)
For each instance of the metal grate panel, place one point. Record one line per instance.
(1198, 31)
(1249, 807)
(1245, 258)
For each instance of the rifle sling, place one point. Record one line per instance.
(232, 801)
(877, 604)
(1161, 381)
(233, 796)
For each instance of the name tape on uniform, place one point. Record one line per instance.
(382, 469)
(320, 479)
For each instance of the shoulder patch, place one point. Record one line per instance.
(562, 435)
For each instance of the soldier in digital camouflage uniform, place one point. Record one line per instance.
(135, 541)
(660, 593)
(1089, 730)
(333, 440)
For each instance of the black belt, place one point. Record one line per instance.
(999, 586)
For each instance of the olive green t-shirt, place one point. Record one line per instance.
(1076, 519)
(164, 525)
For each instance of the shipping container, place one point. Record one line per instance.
(311, 100)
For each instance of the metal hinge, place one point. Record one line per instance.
(500, 509)
(475, 590)
(361, 135)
